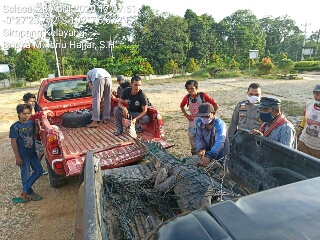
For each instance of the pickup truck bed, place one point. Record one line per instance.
(113, 151)
(126, 204)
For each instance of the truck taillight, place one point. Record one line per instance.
(53, 144)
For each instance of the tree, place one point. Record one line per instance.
(202, 37)
(282, 36)
(192, 66)
(31, 64)
(164, 37)
(243, 32)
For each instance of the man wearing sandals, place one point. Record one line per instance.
(100, 84)
(23, 146)
(137, 107)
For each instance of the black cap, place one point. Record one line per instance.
(120, 78)
(204, 110)
(268, 102)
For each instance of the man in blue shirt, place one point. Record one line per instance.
(211, 135)
(275, 126)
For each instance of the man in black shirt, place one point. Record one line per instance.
(137, 106)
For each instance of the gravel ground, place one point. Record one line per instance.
(54, 216)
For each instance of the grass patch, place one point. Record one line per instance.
(292, 108)
(17, 84)
(228, 74)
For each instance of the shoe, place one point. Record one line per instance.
(104, 121)
(117, 132)
(139, 130)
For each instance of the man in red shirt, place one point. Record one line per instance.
(193, 100)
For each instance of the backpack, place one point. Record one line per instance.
(201, 96)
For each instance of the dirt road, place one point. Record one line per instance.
(54, 216)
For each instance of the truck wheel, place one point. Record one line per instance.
(76, 119)
(56, 180)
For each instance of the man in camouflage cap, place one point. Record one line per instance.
(275, 125)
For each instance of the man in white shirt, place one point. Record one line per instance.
(101, 86)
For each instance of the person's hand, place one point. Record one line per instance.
(256, 132)
(19, 161)
(201, 153)
(204, 161)
(190, 118)
(133, 121)
(125, 113)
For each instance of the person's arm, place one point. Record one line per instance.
(14, 146)
(233, 126)
(183, 110)
(144, 112)
(210, 100)
(220, 137)
(301, 126)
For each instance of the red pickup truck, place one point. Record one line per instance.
(67, 103)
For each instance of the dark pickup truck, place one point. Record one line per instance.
(265, 190)
(67, 102)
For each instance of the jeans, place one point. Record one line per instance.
(27, 180)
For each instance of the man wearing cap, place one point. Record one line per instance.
(100, 84)
(192, 100)
(309, 134)
(275, 125)
(246, 115)
(211, 135)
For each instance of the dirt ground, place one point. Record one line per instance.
(54, 216)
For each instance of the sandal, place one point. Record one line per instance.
(93, 125)
(35, 197)
(104, 121)
(21, 200)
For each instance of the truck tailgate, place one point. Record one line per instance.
(113, 151)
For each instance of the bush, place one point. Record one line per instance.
(192, 66)
(265, 66)
(286, 65)
(307, 66)
(170, 67)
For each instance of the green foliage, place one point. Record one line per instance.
(265, 66)
(170, 67)
(285, 65)
(17, 84)
(234, 65)
(192, 66)
(307, 66)
(228, 74)
(128, 62)
(31, 64)
(216, 61)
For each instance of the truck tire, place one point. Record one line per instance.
(56, 180)
(80, 118)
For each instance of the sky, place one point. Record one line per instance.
(16, 24)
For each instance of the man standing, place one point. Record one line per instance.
(211, 135)
(275, 125)
(193, 100)
(309, 134)
(246, 114)
(101, 86)
(137, 107)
